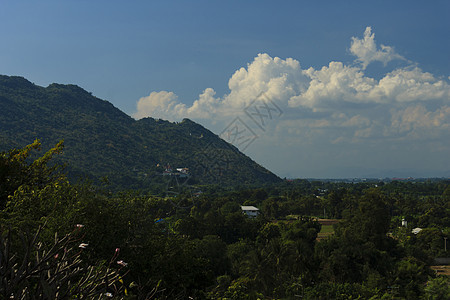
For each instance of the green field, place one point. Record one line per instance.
(325, 232)
(327, 229)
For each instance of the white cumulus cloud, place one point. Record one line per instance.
(416, 121)
(333, 84)
(338, 84)
(337, 104)
(275, 77)
(163, 105)
(407, 85)
(205, 107)
(367, 51)
(331, 87)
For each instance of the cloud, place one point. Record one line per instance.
(416, 121)
(366, 50)
(333, 107)
(277, 78)
(408, 85)
(163, 105)
(333, 84)
(338, 84)
(205, 107)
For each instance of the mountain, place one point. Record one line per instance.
(102, 141)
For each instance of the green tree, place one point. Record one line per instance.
(438, 288)
(360, 250)
(16, 170)
(410, 277)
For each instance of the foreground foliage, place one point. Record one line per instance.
(137, 246)
(38, 271)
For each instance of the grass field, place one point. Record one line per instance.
(441, 270)
(327, 228)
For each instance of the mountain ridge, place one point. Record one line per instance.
(101, 140)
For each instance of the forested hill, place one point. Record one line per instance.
(102, 141)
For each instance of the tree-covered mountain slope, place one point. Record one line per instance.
(102, 141)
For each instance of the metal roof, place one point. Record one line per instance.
(249, 208)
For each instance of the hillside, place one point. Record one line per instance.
(100, 140)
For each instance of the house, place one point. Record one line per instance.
(182, 172)
(250, 211)
(404, 223)
(416, 230)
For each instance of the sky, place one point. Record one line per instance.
(308, 89)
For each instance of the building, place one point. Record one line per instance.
(416, 230)
(404, 223)
(250, 211)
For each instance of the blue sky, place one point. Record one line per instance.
(363, 87)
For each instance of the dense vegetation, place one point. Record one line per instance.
(102, 141)
(141, 246)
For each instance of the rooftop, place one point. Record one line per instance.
(249, 208)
